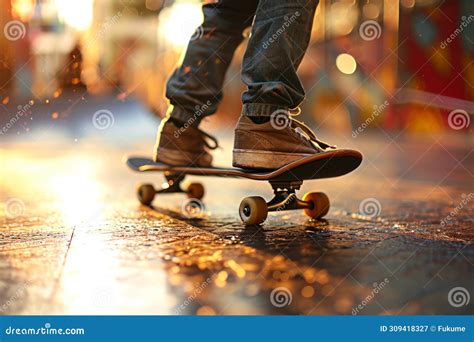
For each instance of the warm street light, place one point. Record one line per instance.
(77, 15)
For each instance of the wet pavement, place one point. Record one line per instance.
(74, 239)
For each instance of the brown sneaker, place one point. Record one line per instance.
(271, 145)
(183, 146)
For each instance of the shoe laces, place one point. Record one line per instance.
(207, 139)
(304, 131)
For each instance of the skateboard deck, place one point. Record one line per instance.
(323, 165)
(285, 182)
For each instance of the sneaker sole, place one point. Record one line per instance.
(252, 159)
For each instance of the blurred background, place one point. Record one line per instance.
(362, 54)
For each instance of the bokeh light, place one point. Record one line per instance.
(179, 22)
(346, 63)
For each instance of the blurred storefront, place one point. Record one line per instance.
(436, 71)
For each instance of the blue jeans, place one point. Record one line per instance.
(280, 35)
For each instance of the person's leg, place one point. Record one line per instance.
(280, 37)
(195, 88)
(266, 136)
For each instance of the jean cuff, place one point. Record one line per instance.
(261, 109)
(180, 114)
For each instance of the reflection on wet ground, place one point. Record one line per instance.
(74, 239)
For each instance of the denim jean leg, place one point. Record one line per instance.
(195, 87)
(280, 36)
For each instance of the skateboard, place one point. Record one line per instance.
(285, 181)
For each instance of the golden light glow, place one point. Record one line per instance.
(70, 188)
(178, 23)
(78, 194)
(341, 18)
(74, 192)
(22, 9)
(346, 63)
(76, 14)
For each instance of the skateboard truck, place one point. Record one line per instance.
(285, 197)
(147, 192)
